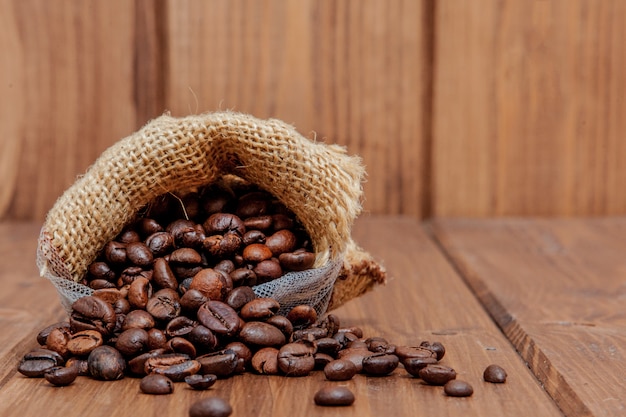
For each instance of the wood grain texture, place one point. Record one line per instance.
(342, 72)
(69, 73)
(424, 300)
(556, 288)
(528, 108)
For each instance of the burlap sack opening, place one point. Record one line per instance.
(320, 183)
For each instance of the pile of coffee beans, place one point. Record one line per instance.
(173, 304)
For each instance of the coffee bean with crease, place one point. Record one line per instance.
(296, 359)
(162, 275)
(265, 361)
(61, 376)
(340, 370)
(200, 382)
(437, 374)
(83, 342)
(222, 363)
(181, 345)
(202, 338)
(177, 372)
(156, 384)
(259, 309)
(240, 296)
(221, 223)
(219, 317)
(130, 274)
(380, 364)
(132, 342)
(138, 319)
(180, 326)
(106, 363)
(191, 301)
(139, 293)
(92, 313)
(138, 253)
(261, 334)
(164, 305)
(302, 315)
(436, 347)
(253, 236)
(36, 362)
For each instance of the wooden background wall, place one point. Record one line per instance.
(458, 108)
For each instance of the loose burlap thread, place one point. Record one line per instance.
(320, 183)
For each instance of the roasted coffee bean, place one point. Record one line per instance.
(100, 284)
(200, 382)
(261, 334)
(101, 270)
(138, 319)
(253, 236)
(81, 365)
(202, 338)
(296, 261)
(132, 342)
(328, 345)
(180, 326)
(242, 351)
(404, 352)
(83, 342)
(377, 344)
(222, 363)
(137, 365)
(437, 374)
(35, 363)
(358, 344)
(42, 336)
(380, 364)
(219, 246)
(282, 241)
(414, 365)
(212, 284)
(310, 333)
(495, 374)
(458, 388)
(128, 235)
(259, 309)
(240, 296)
(156, 339)
(192, 300)
(267, 270)
(115, 253)
(131, 273)
(147, 226)
(181, 345)
(57, 341)
(258, 222)
(162, 275)
(156, 384)
(355, 330)
(322, 359)
(121, 307)
(282, 324)
(106, 363)
(226, 265)
(436, 347)
(110, 295)
(179, 371)
(180, 230)
(296, 359)
(334, 396)
(61, 376)
(355, 355)
(219, 317)
(221, 223)
(210, 407)
(302, 315)
(256, 252)
(265, 361)
(340, 370)
(164, 304)
(164, 360)
(139, 254)
(243, 277)
(252, 204)
(92, 313)
(331, 323)
(139, 293)
(185, 256)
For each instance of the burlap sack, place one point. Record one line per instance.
(318, 182)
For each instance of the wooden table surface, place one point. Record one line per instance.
(552, 290)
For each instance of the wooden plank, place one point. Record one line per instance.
(69, 70)
(424, 300)
(343, 72)
(556, 288)
(528, 108)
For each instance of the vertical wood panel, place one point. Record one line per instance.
(529, 108)
(68, 72)
(349, 72)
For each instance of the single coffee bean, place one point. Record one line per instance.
(81, 365)
(253, 236)
(458, 388)
(380, 364)
(180, 326)
(106, 363)
(259, 309)
(414, 365)
(202, 338)
(258, 223)
(265, 361)
(267, 270)
(437, 374)
(101, 284)
(226, 265)
(181, 345)
(162, 275)
(334, 396)
(200, 382)
(261, 334)
(328, 345)
(139, 293)
(340, 370)
(192, 300)
(296, 359)
(35, 363)
(138, 319)
(179, 371)
(139, 254)
(221, 363)
(132, 342)
(180, 229)
(61, 376)
(92, 313)
(57, 341)
(115, 253)
(404, 352)
(185, 256)
(42, 336)
(302, 316)
(256, 252)
(147, 226)
(100, 270)
(160, 243)
(254, 203)
(156, 384)
(281, 242)
(282, 324)
(130, 274)
(219, 317)
(495, 374)
(436, 347)
(156, 339)
(210, 407)
(220, 223)
(129, 235)
(240, 296)
(83, 342)
(211, 283)
(164, 305)
(165, 360)
(297, 261)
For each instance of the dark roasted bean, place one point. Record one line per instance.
(436, 347)
(334, 396)
(265, 361)
(219, 317)
(302, 315)
(458, 388)
(200, 382)
(83, 342)
(92, 313)
(156, 384)
(35, 363)
(258, 333)
(340, 370)
(164, 305)
(106, 363)
(296, 359)
(210, 407)
(61, 375)
(221, 363)
(380, 364)
(132, 342)
(495, 374)
(259, 309)
(437, 374)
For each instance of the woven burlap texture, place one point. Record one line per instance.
(320, 183)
